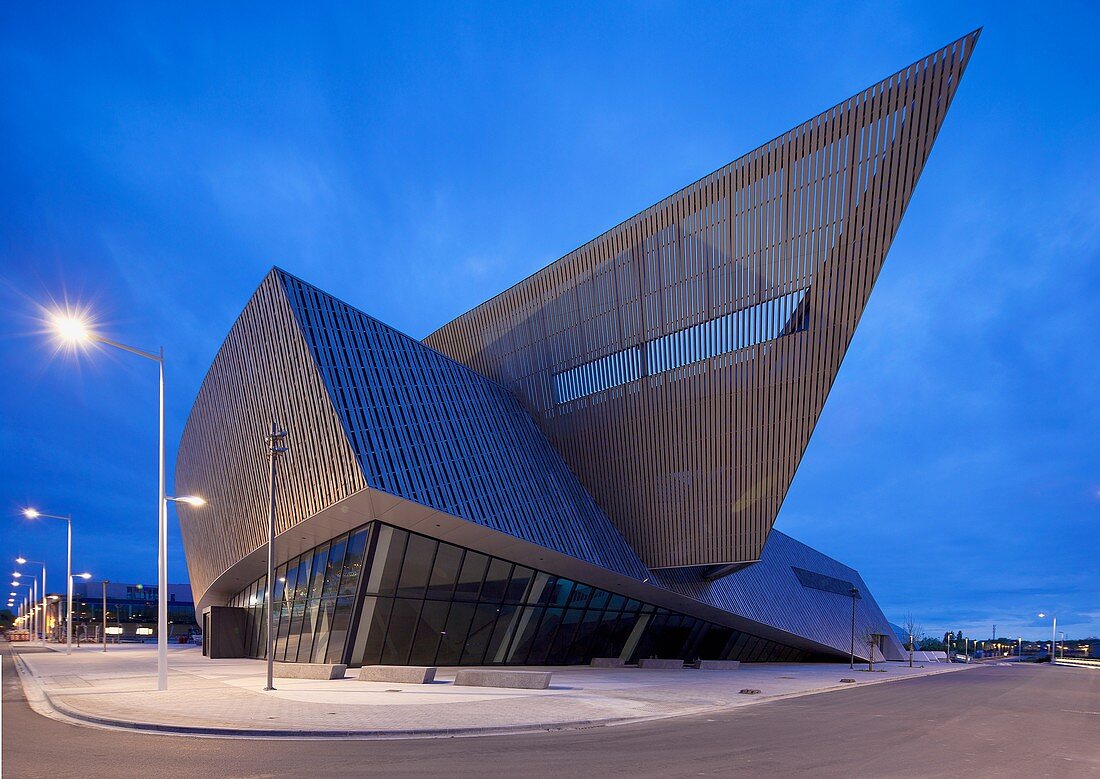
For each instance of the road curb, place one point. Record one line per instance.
(41, 701)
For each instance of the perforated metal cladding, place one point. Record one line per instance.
(692, 463)
(433, 431)
(263, 371)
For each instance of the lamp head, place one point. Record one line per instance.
(30, 513)
(1041, 614)
(190, 500)
(83, 575)
(70, 328)
(16, 574)
(20, 560)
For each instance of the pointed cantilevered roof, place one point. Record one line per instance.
(680, 361)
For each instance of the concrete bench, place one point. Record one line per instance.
(660, 663)
(524, 680)
(310, 670)
(401, 674)
(607, 662)
(717, 665)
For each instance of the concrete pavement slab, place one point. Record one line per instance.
(225, 697)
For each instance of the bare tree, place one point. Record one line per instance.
(915, 631)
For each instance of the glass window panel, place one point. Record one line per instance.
(540, 647)
(341, 621)
(469, 579)
(429, 631)
(291, 578)
(259, 643)
(371, 631)
(580, 596)
(561, 591)
(353, 562)
(317, 577)
(334, 568)
(417, 567)
(391, 567)
(280, 582)
(507, 621)
(563, 640)
(517, 587)
(294, 632)
(448, 561)
(301, 585)
(481, 630)
(323, 631)
(458, 625)
(615, 603)
(524, 634)
(261, 591)
(282, 625)
(582, 639)
(402, 627)
(541, 588)
(603, 637)
(600, 599)
(632, 605)
(737, 653)
(496, 581)
(309, 624)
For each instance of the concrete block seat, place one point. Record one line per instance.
(717, 665)
(401, 674)
(607, 662)
(309, 670)
(524, 680)
(660, 663)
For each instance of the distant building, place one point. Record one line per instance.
(131, 611)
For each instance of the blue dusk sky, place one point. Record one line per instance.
(157, 159)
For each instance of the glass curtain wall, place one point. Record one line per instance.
(427, 602)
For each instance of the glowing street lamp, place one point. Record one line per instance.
(76, 330)
(24, 561)
(33, 513)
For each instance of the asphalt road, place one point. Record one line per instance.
(997, 720)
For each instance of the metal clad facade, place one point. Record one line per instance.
(263, 372)
(433, 431)
(665, 359)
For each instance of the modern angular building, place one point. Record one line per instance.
(590, 463)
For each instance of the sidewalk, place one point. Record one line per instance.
(225, 697)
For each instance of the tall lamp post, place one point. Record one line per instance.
(76, 330)
(25, 561)
(852, 654)
(31, 513)
(105, 582)
(1053, 634)
(162, 591)
(85, 576)
(276, 447)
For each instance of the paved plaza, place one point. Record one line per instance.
(226, 696)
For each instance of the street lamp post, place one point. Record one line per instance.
(1053, 634)
(105, 583)
(852, 653)
(24, 561)
(162, 590)
(31, 513)
(276, 447)
(76, 331)
(85, 576)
